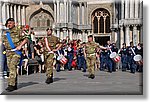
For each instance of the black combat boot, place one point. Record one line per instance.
(11, 88)
(92, 76)
(49, 80)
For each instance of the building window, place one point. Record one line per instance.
(48, 22)
(101, 21)
(95, 25)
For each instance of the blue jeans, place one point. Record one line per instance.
(132, 64)
(124, 61)
(81, 62)
(70, 59)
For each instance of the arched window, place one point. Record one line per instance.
(102, 24)
(107, 27)
(48, 22)
(95, 23)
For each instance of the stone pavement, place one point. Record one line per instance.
(77, 82)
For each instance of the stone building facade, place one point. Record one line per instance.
(118, 21)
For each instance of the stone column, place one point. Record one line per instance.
(19, 15)
(8, 14)
(121, 36)
(122, 9)
(4, 13)
(23, 15)
(136, 8)
(15, 13)
(55, 11)
(1, 18)
(141, 10)
(83, 14)
(80, 13)
(78, 8)
(64, 33)
(135, 37)
(132, 8)
(65, 11)
(70, 34)
(141, 34)
(11, 11)
(58, 33)
(70, 9)
(127, 12)
(58, 11)
(127, 35)
(87, 14)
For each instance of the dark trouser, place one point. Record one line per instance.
(81, 62)
(132, 64)
(102, 62)
(109, 63)
(70, 59)
(124, 62)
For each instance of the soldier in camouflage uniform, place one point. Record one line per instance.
(90, 54)
(52, 44)
(12, 57)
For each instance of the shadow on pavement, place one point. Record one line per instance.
(58, 79)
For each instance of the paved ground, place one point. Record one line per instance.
(77, 82)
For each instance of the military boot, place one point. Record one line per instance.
(49, 80)
(92, 76)
(11, 88)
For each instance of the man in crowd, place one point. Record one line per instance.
(132, 51)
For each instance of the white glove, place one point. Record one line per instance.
(13, 50)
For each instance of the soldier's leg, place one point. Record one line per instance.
(88, 62)
(49, 65)
(13, 61)
(93, 61)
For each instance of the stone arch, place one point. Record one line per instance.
(41, 19)
(35, 8)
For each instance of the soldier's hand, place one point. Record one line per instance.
(18, 48)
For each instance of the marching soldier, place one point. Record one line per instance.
(90, 55)
(13, 42)
(52, 44)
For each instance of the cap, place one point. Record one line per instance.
(10, 19)
(90, 36)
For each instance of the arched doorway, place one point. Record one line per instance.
(101, 25)
(41, 19)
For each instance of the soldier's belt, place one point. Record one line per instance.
(93, 54)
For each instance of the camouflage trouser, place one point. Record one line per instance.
(91, 60)
(12, 62)
(49, 65)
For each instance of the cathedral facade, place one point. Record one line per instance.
(117, 21)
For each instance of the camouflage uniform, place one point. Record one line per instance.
(13, 59)
(49, 57)
(90, 50)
